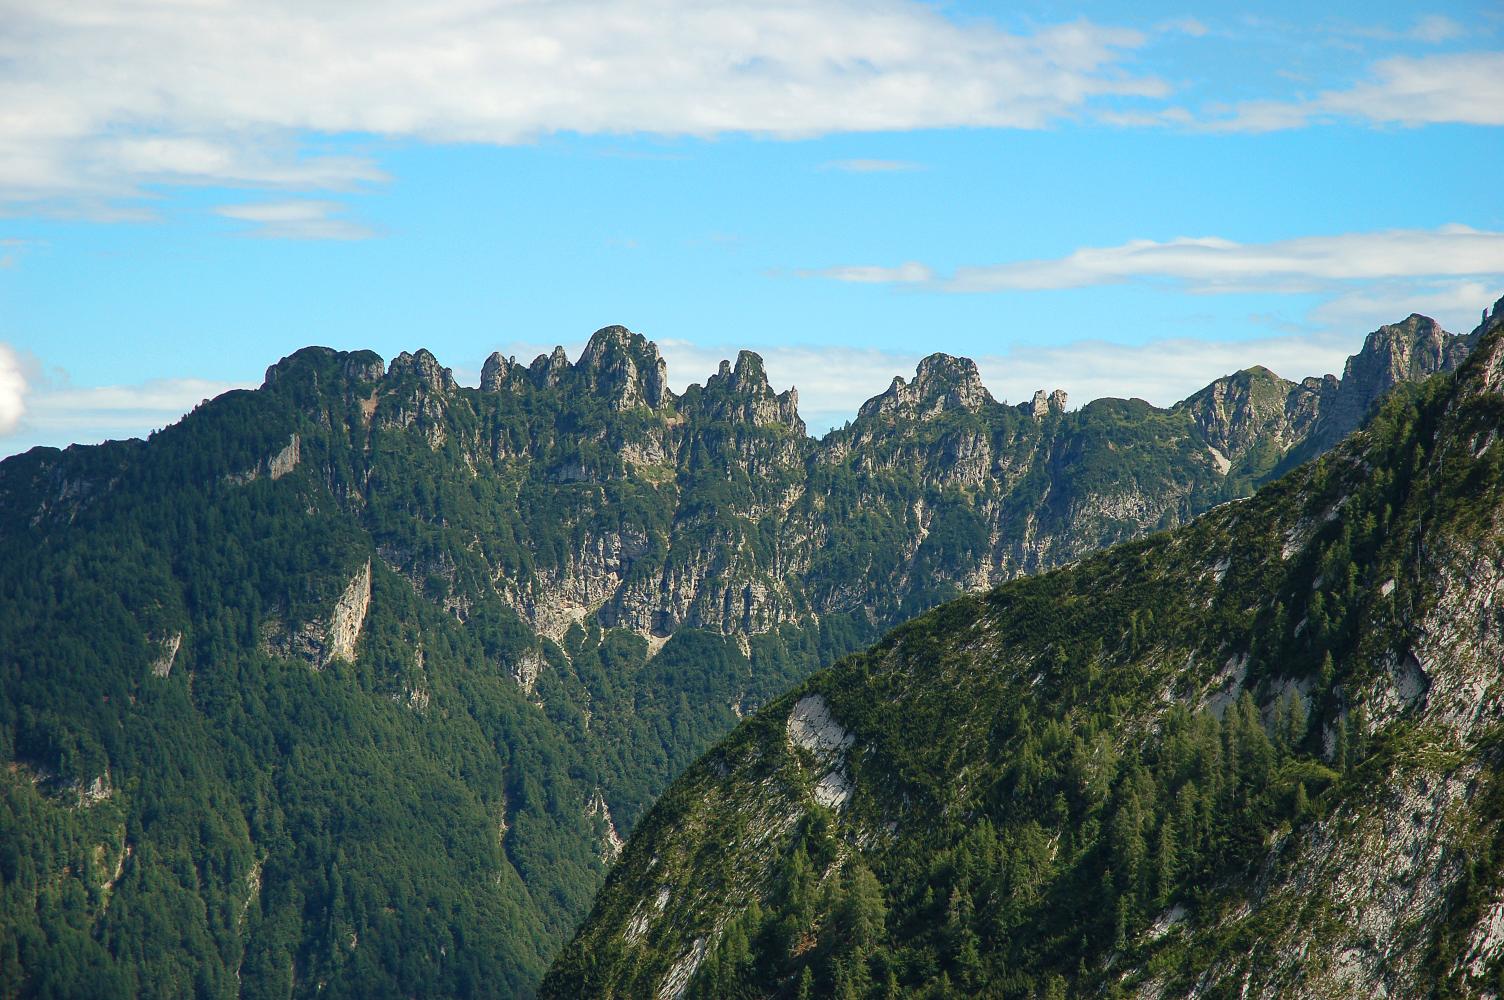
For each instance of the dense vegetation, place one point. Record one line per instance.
(1081, 783)
(578, 582)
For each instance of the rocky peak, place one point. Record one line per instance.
(1237, 411)
(1401, 352)
(942, 382)
(742, 393)
(1491, 319)
(424, 367)
(359, 366)
(496, 372)
(625, 367)
(748, 377)
(549, 369)
(952, 382)
(1408, 351)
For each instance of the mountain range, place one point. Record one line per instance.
(1255, 756)
(354, 684)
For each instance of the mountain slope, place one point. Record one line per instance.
(1253, 756)
(350, 685)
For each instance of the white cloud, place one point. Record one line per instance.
(296, 220)
(1464, 88)
(98, 97)
(871, 166)
(908, 273)
(12, 390)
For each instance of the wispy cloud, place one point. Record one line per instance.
(909, 273)
(296, 220)
(1212, 264)
(1464, 88)
(871, 166)
(1191, 26)
(1429, 29)
(99, 98)
(1362, 276)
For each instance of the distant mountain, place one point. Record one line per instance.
(1258, 755)
(353, 684)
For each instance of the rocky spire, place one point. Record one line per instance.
(496, 372)
(742, 393)
(549, 369)
(1045, 404)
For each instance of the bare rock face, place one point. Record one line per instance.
(1242, 409)
(349, 617)
(162, 665)
(525, 669)
(611, 842)
(322, 642)
(285, 460)
(812, 729)
(418, 392)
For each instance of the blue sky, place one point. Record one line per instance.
(1115, 199)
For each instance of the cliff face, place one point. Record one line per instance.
(402, 638)
(1254, 756)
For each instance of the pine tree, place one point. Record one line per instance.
(1166, 862)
